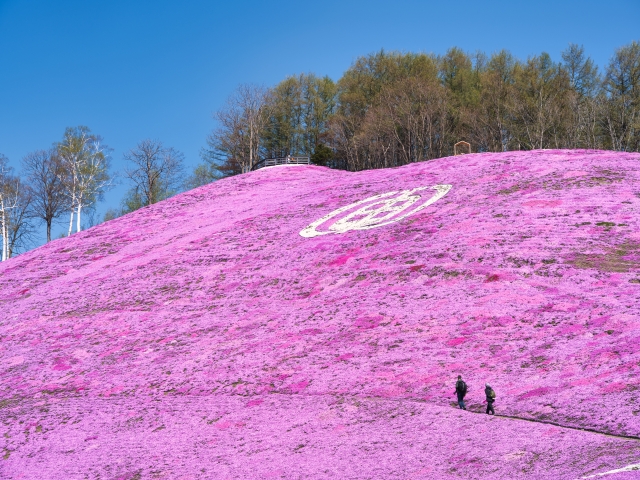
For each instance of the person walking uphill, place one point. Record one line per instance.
(491, 397)
(461, 391)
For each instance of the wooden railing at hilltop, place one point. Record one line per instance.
(272, 162)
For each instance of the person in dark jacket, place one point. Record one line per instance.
(461, 391)
(491, 397)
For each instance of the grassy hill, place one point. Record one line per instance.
(205, 337)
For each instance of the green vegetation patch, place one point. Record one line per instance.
(622, 258)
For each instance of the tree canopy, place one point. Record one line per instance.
(393, 108)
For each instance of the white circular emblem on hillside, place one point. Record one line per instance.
(376, 211)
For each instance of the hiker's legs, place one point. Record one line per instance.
(490, 408)
(461, 403)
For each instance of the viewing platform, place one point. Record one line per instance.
(288, 160)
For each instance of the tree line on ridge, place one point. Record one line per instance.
(71, 177)
(388, 109)
(391, 108)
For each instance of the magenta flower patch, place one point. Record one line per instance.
(205, 337)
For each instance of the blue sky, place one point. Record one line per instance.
(132, 70)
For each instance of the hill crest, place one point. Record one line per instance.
(524, 274)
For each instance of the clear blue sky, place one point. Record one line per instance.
(139, 69)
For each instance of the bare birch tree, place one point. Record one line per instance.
(85, 177)
(15, 198)
(8, 201)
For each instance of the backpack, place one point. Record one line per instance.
(492, 394)
(461, 387)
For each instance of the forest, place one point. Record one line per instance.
(388, 109)
(392, 108)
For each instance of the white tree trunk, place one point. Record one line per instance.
(78, 219)
(6, 240)
(70, 223)
(5, 229)
(4, 234)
